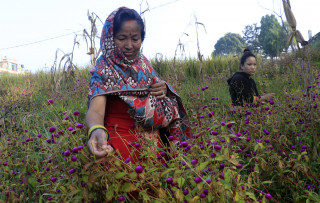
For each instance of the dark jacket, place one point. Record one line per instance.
(242, 88)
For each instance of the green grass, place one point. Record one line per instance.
(282, 171)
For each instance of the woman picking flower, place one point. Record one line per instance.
(126, 97)
(242, 87)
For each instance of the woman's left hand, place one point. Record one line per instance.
(158, 89)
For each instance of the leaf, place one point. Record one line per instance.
(133, 175)
(93, 177)
(233, 160)
(179, 195)
(110, 193)
(202, 166)
(73, 193)
(180, 181)
(144, 195)
(281, 165)
(120, 175)
(167, 171)
(162, 194)
(237, 197)
(63, 189)
(117, 162)
(128, 187)
(267, 182)
(195, 199)
(220, 158)
(251, 195)
(32, 181)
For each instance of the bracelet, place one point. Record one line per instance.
(95, 127)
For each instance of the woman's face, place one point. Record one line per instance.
(128, 39)
(249, 65)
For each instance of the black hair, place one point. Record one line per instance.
(126, 14)
(246, 54)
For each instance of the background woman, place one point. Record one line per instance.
(126, 97)
(242, 87)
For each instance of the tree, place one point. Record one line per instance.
(250, 36)
(230, 43)
(272, 36)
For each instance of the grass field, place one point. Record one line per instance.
(268, 152)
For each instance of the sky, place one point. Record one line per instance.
(31, 31)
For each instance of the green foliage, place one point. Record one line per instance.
(250, 36)
(230, 43)
(280, 158)
(272, 36)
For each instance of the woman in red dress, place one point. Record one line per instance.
(126, 97)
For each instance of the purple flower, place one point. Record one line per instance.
(238, 134)
(210, 114)
(5, 163)
(197, 179)
(202, 195)
(169, 180)
(221, 175)
(268, 196)
(66, 153)
(184, 144)
(76, 112)
(217, 147)
(223, 123)
(74, 150)
(73, 158)
(214, 132)
(121, 198)
(66, 118)
(50, 101)
(60, 132)
(222, 166)
(127, 160)
(53, 179)
(171, 138)
(71, 171)
(52, 129)
(70, 128)
(248, 112)
(267, 140)
(208, 181)
(213, 155)
(79, 125)
(185, 192)
(239, 166)
(48, 140)
(196, 135)
(194, 161)
(138, 169)
(80, 147)
(304, 147)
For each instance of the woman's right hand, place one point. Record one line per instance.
(98, 143)
(268, 96)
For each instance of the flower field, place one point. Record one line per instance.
(266, 152)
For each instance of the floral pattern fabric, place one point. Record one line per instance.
(114, 74)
